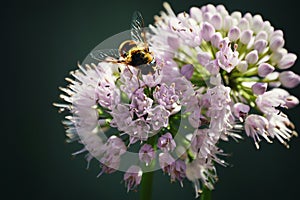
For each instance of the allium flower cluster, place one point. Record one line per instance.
(236, 64)
(216, 68)
(114, 107)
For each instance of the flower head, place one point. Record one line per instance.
(114, 106)
(211, 71)
(235, 71)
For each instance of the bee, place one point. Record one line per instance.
(134, 52)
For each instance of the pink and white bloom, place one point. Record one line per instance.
(255, 126)
(146, 154)
(227, 57)
(166, 142)
(165, 162)
(241, 110)
(133, 177)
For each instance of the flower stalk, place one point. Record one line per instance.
(206, 193)
(146, 186)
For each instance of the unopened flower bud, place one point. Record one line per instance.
(242, 66)
(210, 8)
(207, 31)
(268, 27)
(216, 21)
(237, 15)
(243, 24)
(273, 76)
(222, 10)
(277, 33)
(249, 17)
(215, 39)
(196, 13)
(257, 23)
(278, 55)
(252, 57)
(264, 69)
(276, 43)
(287, 61)
(246, 36)
(227, 23)
(187, 71)
(234, 33)
(262, 35)
(289, 79)
(260, 45)
(259, 88)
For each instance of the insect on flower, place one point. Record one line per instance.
(134, 52)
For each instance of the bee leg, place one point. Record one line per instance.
(130, 72)
(137, 76)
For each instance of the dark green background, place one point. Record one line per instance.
(42, 42)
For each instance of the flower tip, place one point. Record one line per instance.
(246, 36)
(216, 21)
(242, 66)
(207, 31)
(276, 43)
(295, 133)
(168, 8)
(252, 57)
(234, 33)
(260, 45)
(259, 88)
(287, 61)
(196, 13)
(289, 79)
(216, 39)
(277, 33)
(166, 5)
(257, 145)
(187, 71)
(286, 145)
(264, 69)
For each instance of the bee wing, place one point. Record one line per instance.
(108, 55)
(138, 33)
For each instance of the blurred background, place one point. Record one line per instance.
(44, 40)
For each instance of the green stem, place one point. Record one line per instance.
(146, 186)
(206, 193)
